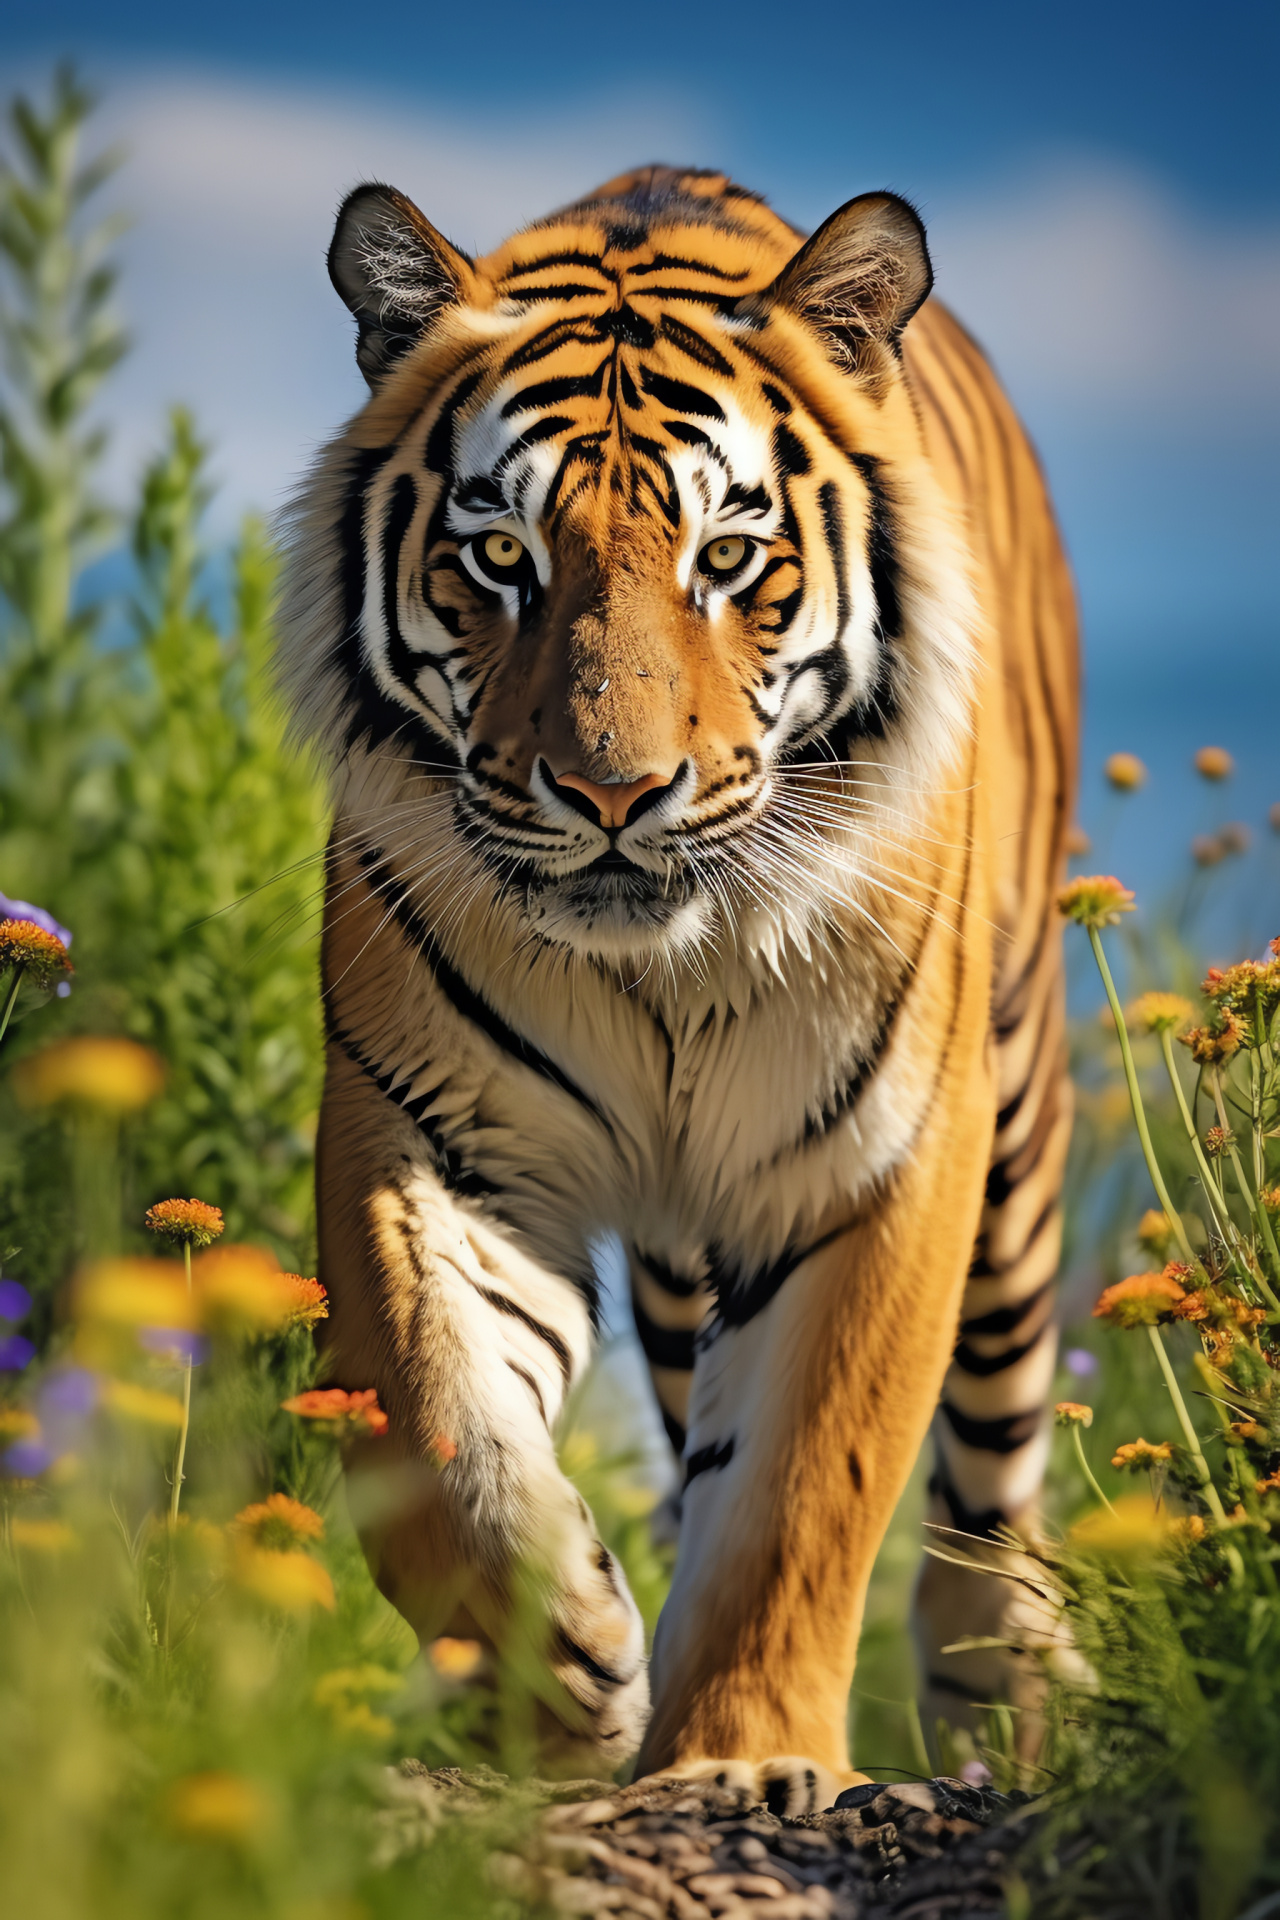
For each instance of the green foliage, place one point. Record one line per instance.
(146, 790)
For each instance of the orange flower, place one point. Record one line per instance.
(1247, 988)
(1095, 900)
(279, 1522)
(455, 1660)
(1160, 1012)
(358, 1412)
(1125, 772)
(1214, 763)
(1070, 1413)
(41, 955)
(310, 1301)
(242, 1290)
(1155, 1232)
(1270, 1485)
(1142, 1300)
(1136, 1454)
(190, 1223)
(1210, 1046)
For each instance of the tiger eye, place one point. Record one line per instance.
(723, 556)
(503, 550)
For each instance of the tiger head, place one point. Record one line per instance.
(634, 550)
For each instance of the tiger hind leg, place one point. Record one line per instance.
(992, 1428)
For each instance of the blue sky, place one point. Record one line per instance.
(1100, 183)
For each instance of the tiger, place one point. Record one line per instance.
(685, 629)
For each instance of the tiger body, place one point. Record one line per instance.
(693, 648)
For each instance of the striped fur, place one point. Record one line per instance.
(659, 502)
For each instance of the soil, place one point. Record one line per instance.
(935, 1850)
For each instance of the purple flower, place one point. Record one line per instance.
(1080, 1361)
(64, 1402)
(15, 1353)
(23, 910)
(175, 1343)
(15, 1301)
(26, 1458)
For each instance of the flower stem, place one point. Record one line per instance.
(1087, 1470)
(181, 1454)
(1135, 1100)
(1247, 1193)
(1213, 1192)
(1184, 1420)
(12, 1001)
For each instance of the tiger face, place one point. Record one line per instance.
(641, 554)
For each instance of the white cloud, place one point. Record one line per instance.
(1105, 304)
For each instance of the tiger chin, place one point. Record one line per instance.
(685, 629)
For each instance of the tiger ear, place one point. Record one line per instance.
(395, 272)
(860, 276)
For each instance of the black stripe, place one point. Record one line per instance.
(678, 1284)
(740, 1300)
(454, 1175)
(502, 1303)
(708, 1460)
(833, 528)
(663, 1346)
(983, 1365)
(1003, 1434)
(1005, 1319)
(461, 995)
(679, 396)
(985, 1524)
(583, 1659)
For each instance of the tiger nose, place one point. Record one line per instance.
(611, 804)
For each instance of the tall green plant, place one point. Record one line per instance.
(146, 791)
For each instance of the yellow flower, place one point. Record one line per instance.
(1070, 1413)
(1155, 1232)
(190, 1223)
(41, 955)
(241, 1290)
(1160, 1012)
(1095, 900)
(456, 1660)
(279, 1521)
(340, 1692)
(94, 1070)
(147, 1404)
(291, 1582)
(1210, 1046)
(135, 1293)
(218, 1806)
(42, 1536)
(1135, 1528)
(1126, 772)
(1214, 763)
(16, 1423)
(1136, 1454)
(1141, 1300)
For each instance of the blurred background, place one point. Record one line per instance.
(1101, 190)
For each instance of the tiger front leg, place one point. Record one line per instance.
(806, 1417)
(473, 1348)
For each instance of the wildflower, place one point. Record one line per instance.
(1247, 988)
(1190, 1528)
(16, 1352)
(1155, 1232)
(41, 957)
(241, 1290)
(1217, 1140)
(1235, 837)
(17, 1423)
(1246, 1429)
(94, 1070)
(185, 1223)
(1078, 841)
(309, 1301)
(23, 910)
(340, 1692)
(15, 1301)
(218, 1806)
(1207, 850)
(1141, 1300)
(41, 1536)
(1214, 763)
(28, 1458)
(1070, 1413)
(134, 1293)
(1270, 1485)
(357, 1412)
(1161, 1012)
(1133, 1526)
(147, 1404)
(1125, 772)
(290, 1581)
(1210, 1046)
(1136, 1454)
(280, 1522)
(1095, 900)
(1080, 1362)
(1270, 1198)
(455, 1660)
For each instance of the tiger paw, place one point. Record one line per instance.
(787, 1785)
